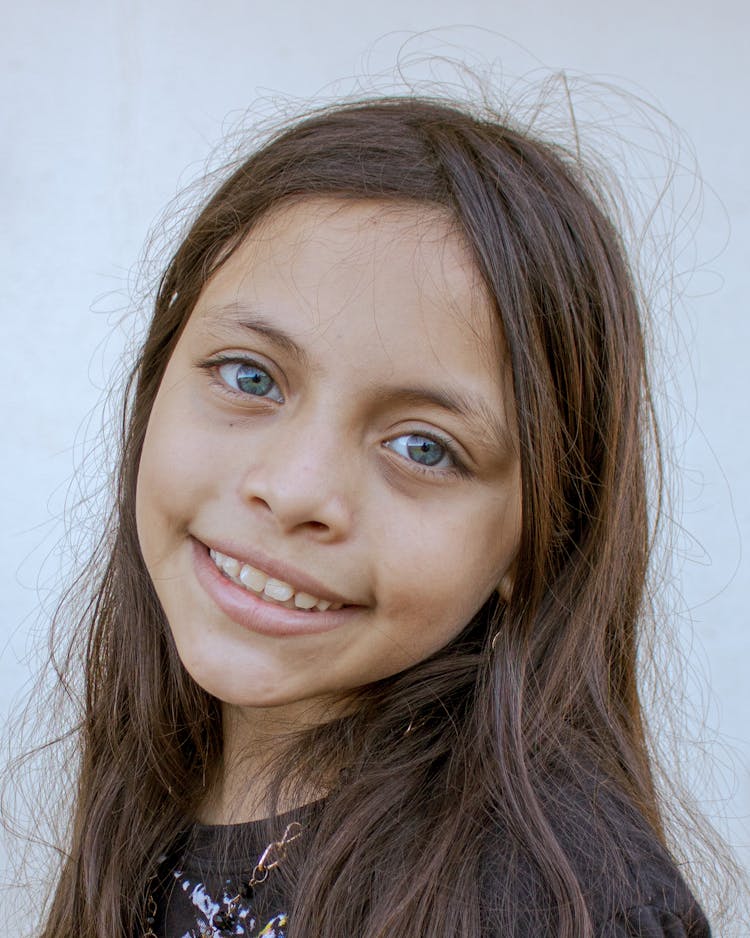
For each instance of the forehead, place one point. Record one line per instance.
(366, 277)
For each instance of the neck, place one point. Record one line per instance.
(254, 743)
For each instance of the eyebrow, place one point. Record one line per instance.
(470, 407)
(467, 406)
(254, 321)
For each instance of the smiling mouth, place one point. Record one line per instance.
(268, 588)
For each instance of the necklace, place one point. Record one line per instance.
(226, 918)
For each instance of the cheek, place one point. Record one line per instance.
(168, 479)
(438, 575)
(149, 501)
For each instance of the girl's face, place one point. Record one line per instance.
(329, 487)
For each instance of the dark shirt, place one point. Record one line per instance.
(640, 895)
(205, 871)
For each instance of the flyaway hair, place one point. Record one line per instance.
(456, 786)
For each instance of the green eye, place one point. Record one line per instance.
(249, 378)
(422, 450)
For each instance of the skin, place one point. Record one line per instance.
(341, 307)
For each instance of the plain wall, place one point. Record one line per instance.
(108, 107)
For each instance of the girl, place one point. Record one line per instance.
(362, 661)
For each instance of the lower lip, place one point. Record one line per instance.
(256, 614)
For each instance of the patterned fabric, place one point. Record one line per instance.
(193, 905)
(205, 871)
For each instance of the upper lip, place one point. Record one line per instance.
(279, 570)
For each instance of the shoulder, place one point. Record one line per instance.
(632, 887)
(648, 896)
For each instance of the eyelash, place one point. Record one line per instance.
(213, 365)
(458, 467)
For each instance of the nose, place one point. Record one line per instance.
(299, 473)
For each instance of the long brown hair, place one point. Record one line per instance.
(537, 696)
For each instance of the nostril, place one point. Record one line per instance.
(295, 502)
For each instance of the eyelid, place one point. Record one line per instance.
(213, 364)
(459, 466)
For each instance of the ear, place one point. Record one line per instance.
(505, 586)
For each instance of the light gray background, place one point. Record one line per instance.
(110, 105)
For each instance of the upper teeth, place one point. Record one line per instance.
(267, 587)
